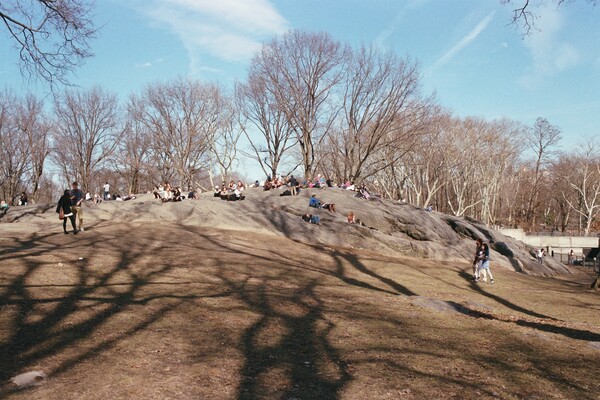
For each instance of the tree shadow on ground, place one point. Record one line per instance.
(313, 367)
(478, 288)
(289, 335)
(47, 327)
(549, 327)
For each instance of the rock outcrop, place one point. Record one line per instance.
(386, 226)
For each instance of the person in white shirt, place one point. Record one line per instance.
(106, 191)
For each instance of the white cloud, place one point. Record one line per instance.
(147, 64)
(464, 42)
(257, 16)
(549, 54)
(230, 30)
(389, 30)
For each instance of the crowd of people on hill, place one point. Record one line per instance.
(230, 192)
(165, 193)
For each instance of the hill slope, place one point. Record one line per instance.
(160, 309)
(390, 228)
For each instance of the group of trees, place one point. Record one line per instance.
(172, 132)
(309, 105)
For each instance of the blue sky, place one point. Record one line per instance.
(476, 63)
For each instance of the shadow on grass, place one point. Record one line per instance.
(313, 367)
(572, 333)
(47, 327)
(478, 288)
(289, 334)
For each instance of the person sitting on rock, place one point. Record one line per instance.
(268, 184)
(177, 194)
(238, 194)
(314, 202)
(3, 207)
(23, 201)
(313, 219)
(329, 207)
(351, 218)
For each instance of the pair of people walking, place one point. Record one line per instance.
(481, 263)
(69, 206)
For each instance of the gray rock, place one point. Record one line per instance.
(388, 227)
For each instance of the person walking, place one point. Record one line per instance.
(485, 263)
(76, 200)
(64, 210)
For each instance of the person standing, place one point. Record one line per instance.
(571, 258)
(106, 188)
(76, 200)
(476, 260)
(485, 263)
(293, 185)
(64, 205)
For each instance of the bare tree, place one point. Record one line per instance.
(301, 70)
(581, 172)
(382, 108)
(258, 106)
(132, 159)
(541, 140)
(88, 131)
(225, 144)
(464, 181)
(24, 145)
(501, 145)
(525, 17)
(52, 37)
(184, 118)
(427, 164)
(33, 124)
(13, 149)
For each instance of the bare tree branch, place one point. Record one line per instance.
(51, 36)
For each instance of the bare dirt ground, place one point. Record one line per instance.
(160, 310)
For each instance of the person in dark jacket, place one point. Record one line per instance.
(65, 204)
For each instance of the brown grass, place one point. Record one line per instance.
(172, 312)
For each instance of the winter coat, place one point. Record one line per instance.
(65, 204)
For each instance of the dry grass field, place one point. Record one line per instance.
(165, 311)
